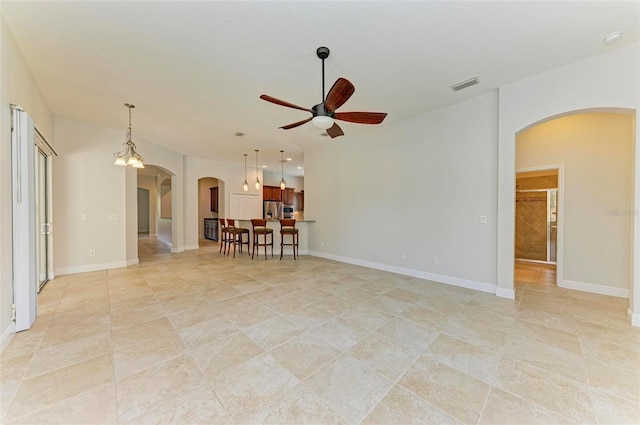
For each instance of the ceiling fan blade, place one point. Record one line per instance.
(361, 117)
(339, 93)
(296, 124)
(283, 103)
(334, 131)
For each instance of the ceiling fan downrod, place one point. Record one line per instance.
(322, 53)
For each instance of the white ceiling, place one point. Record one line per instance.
(195, 70)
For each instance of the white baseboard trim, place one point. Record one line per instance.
(7, 335)
(635, 318)
(165, 243)
(190, 247)
(153, 235)
(177, 249)
(593, 288)
(91, 268)
(449, 280)
(133, 262)
(506, 293)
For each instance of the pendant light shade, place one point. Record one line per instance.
(257, 177)
(245, 185)
(128, 156)
(322, 122)
(283, 184)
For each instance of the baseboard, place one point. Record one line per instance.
(91, 268)
(153, 235)
(7, 335)
(449, 280)
(133, 261)
(635, 318)
(165, 243)
(190, 247)
(506, 293)
(177, 249)
(593, 288)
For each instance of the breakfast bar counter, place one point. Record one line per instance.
(303, 237)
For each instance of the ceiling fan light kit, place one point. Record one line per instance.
(323, 115)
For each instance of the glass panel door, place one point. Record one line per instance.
(43, 229)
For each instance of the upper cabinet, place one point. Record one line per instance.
(273, 193)
(298, 201)
(214, 199)
(287, 196)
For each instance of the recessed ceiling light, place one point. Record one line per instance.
(288, 159)
(299, 168)
(264, 166)
(613, 37)
(239, 134)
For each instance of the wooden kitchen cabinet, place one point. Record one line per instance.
(298, 201)
(271, 193)
(214, 198)
(288, 196)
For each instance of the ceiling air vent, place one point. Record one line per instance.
(239, 134)
(464, 84)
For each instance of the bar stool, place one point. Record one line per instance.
(224, 235)
(288, 227)
(236, 236)
(260, 228)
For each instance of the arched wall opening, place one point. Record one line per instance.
(593, 150)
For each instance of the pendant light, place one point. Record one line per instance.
(128, 156)
(257, 177)
(283, 184)
(245, 185)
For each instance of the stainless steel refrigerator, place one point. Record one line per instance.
(272, 210)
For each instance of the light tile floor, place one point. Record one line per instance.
(198, 337)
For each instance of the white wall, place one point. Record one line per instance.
(605, 81)
(273, 179)
(418, 188)
(596, 151)
(17, 86)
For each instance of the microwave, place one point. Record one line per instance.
(287, 211)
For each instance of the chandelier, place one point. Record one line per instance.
(129, 156)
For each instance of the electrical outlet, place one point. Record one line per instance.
(92, 252)
(83, 216)
(435, 260)
(403, 255)
(113, 216)
(483, 219)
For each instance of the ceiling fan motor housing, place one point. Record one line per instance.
(319, 111)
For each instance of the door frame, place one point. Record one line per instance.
(560, 235)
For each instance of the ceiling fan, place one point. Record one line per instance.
(324, 113)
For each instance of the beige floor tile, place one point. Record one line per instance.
(335, 304)
(503, 408)
(146, 354)
(42, 391)
(388, 304)
(494, 304)
(629, 337)
(202, 333)
(426, 317)
(66, 354)
(220, 355)
(561, 395)
(399, 406)
(476, 333)
(469, 358)
(176, 305)
(193, 316)
(383, 355)
(542, 334)
(286, 304)
(408, 332)
(547, 319)
(131, 335)
(7, 393)
(612, 379)
(341, 333)
(621, 355)
(13, 369)
(96, 406)
(251, 386)
(349, 387)
(368, 317)
(613, 410)
(145, 391)
(310, 316)
(304, 354)
(548, 357)
(445, 387)
(299, 406)
(273, 332)
(137, 315)
(251, 316)
(268, 294)
(357, 295)
(403, 295)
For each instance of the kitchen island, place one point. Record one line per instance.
(303, 237)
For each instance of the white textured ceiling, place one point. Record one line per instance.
(195, 70)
